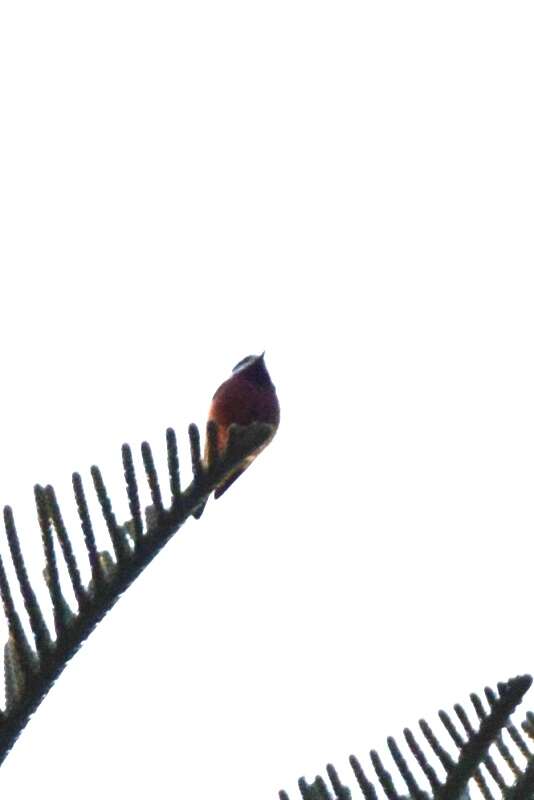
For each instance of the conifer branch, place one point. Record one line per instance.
(30, 668)
(474, 752)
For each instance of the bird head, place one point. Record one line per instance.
(253, 369)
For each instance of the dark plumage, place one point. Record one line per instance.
(247, 396)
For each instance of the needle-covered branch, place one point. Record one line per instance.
(30, 668)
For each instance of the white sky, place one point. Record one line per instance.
(349, 186)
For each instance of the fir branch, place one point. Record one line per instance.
(407, 775)
(133, 494)
(88, 535)
(340, 792)
(477, 746)
(473, 752)
(383, 776)
(37, 623)
(367, 788)
(66, 546)
(28, 673)
(174, 469)
(152, 478)
(428, 769)
(62, 613)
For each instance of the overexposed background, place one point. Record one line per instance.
(348, 185)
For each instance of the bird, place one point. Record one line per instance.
(248, 396)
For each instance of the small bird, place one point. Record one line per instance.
(247, 396)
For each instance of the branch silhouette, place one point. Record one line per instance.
(31, 667)
(474, 763)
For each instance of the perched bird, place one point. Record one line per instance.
(247, 396)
